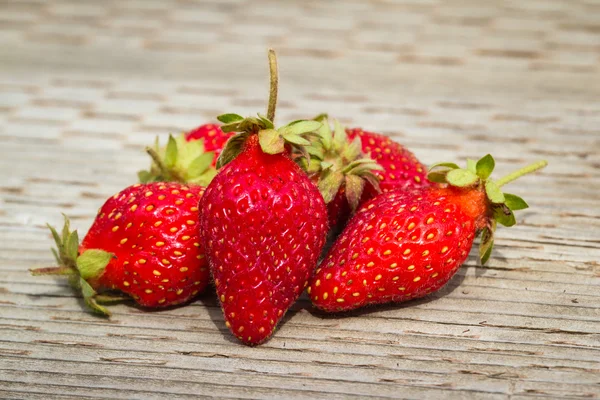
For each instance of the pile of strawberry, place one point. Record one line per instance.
(250, 207)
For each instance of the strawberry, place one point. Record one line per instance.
(401, 169)
(180, 161)
(213, 137)
(403, 244)
(144, 242)
(340, 169)
(264, 223)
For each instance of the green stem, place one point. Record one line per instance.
(519, 173)
(273, 85)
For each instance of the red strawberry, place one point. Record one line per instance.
(264, 224)
(405, 244)
(213, 137)
(144, 242)
(401, 169)
(340, 169)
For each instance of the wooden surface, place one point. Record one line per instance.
(84, 85)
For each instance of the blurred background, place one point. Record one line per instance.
(80, 80)
(84, 85)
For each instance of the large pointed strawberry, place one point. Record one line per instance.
(340, 169)
(405, 244)
(401, 169)
(144, 242)
(264, 223)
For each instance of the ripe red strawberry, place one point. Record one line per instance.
(144, 242)
(264, 224)
(401, 169)
(405, 244)
(340, 169)
(213, 137)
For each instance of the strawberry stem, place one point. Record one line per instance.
(519, 173)
(273, 85)
(52, 271)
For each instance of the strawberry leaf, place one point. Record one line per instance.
(471, 165)
(171, 152)
(330, 184)
(200, 164)
(486, 245)
(89, 295)
(514, 202)
(91, 263)
(485, 166)
(271, 141)
(354, 189)
(494, 193)
(296, 139)
(461, 178)
(72, 246)
(299, 128)
(445, 165)
(230, 118)
(503, 215)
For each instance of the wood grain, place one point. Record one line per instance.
(85, 85)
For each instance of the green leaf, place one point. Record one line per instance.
(445, 165)
(72, 246)
(299, 128)
(57, 240)
(89, 295)
(486, 245)
(485, 166)
(326, 165)
(461, 178)
(144, 176)
(503, 215)
(437, 177)
(271, 141)
(514, 202)
(200, 164)
(471, 165)
(353, 150)
(325, 134)
(230, 118)
(321, 118)
(232, 149)
(330, 184)
(66, 232)
(494, 193)
(91, 263)
(268, 124)
(296, 139)
(354, 190)
(171, 152)
(234, 127)
(56, 256)
(339, 136)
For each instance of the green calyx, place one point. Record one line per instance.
(179, 161)
(338, 162)
(80, 268)
(476, 176)
(272, 140)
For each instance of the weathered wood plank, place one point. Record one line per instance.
(84, 86)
